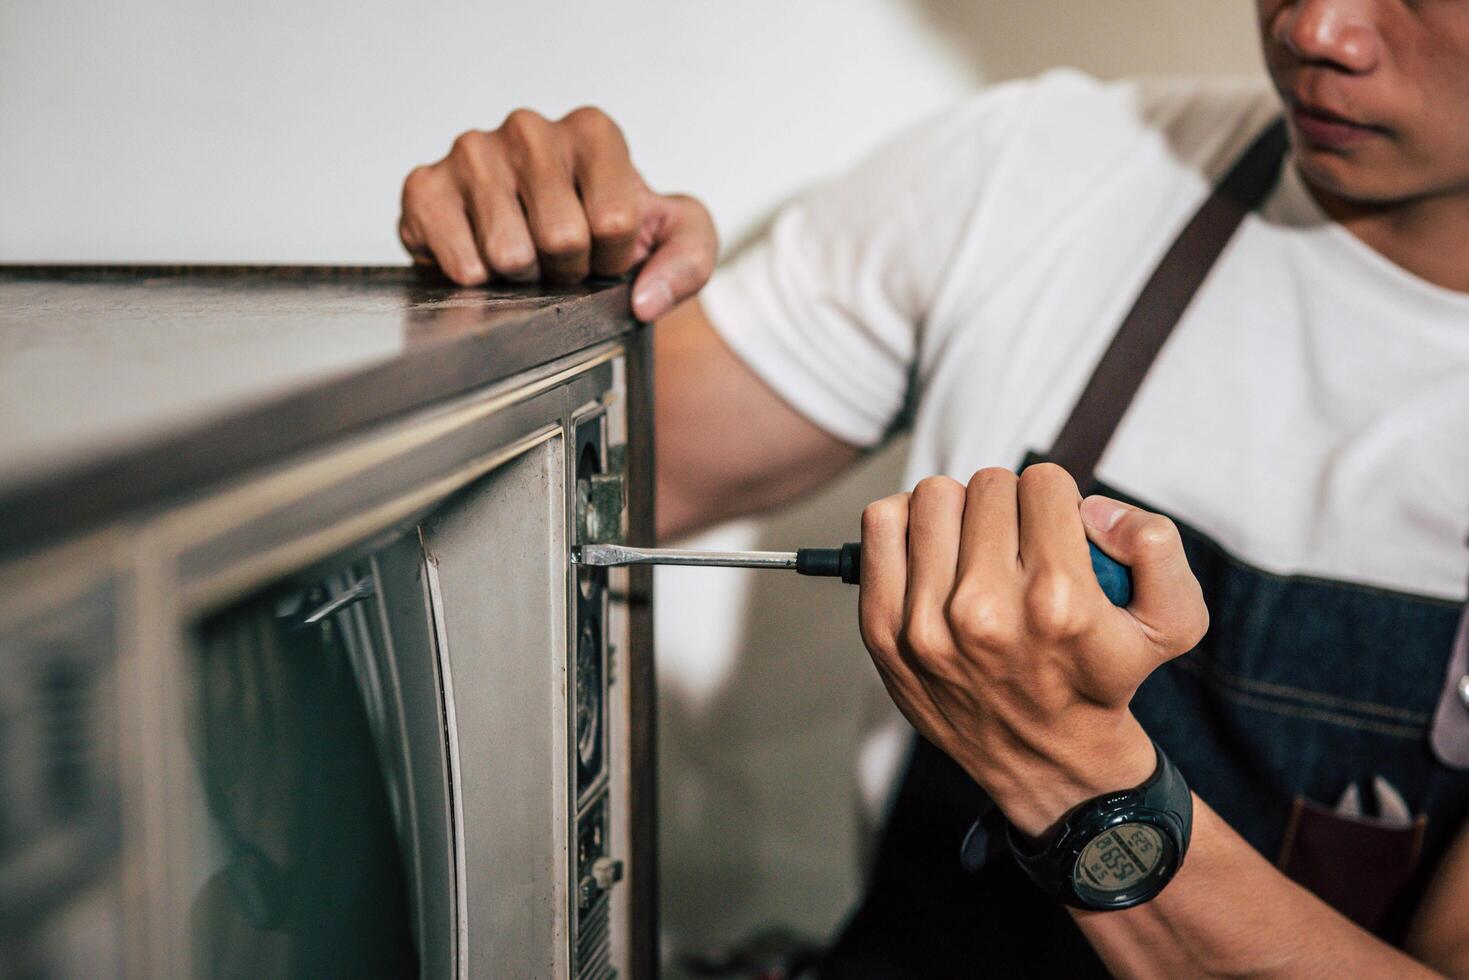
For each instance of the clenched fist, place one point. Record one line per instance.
(983, 615)
(559, 201)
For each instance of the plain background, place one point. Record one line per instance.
(198, 130)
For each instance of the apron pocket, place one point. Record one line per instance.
(1357, 865)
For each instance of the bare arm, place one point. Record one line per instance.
(982, 613)
(1440, 933)
(1229, 912)
(537, 199)
(727, 444)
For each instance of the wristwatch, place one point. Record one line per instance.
(1116, 850)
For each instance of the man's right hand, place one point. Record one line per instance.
(558, 201)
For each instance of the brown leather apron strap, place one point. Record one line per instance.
(1161, 304)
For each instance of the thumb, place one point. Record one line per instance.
(1167, 600)
(683, 251)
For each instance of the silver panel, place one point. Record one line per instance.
(377, 485)
(428, 838)
(498, 574)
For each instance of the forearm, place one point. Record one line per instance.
(726, 444)
(1228, 913)
(981, 611)
(1439, 934)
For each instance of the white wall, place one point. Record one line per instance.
(280, 131)
(271, 131)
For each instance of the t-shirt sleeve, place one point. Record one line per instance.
(827, 309)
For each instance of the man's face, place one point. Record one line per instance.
(1377, 92)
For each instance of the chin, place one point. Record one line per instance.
(1351, 179)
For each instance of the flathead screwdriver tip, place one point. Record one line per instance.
(603, 555)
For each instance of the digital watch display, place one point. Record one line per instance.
(1117, 850)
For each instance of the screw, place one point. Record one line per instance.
(607, 872)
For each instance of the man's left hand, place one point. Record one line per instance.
(980, 608)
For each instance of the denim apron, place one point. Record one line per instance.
(1302, 688)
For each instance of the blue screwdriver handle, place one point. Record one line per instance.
(845, 563)
(1114, 577)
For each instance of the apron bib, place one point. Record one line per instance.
(1302, 689)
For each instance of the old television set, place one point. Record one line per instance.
(341, 707)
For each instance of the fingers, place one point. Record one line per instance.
(1167, 600)
(434, 223)
(555, 200)
(990, 545)
(611, 191)
(935, 517)
(540, 157)
(413, 242)
(884, 577)
(684, 248)
(558, 225)
(487, 185)
(502, 234)
(451, 242)
(1051, 533)
(1062, 595)
(982, 599)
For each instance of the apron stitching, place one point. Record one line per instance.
(1219, 552)
(1203, 666)
(1316, 714)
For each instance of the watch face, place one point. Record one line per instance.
(1122, 859)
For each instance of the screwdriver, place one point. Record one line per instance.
(844, 563)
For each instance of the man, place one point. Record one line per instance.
(1306, 421)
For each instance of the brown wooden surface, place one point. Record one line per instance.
(96, 349)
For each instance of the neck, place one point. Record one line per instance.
(1428, 236)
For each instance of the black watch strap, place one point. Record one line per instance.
(1158, 813)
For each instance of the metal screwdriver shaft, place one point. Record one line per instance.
(617, 554)
(844, 563)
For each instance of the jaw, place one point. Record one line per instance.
(1375, 179)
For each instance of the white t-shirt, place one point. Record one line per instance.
(1310, 412)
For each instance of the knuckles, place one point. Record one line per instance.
(420, 182)
(591, 122)
(1194, 627)
(564, 239)
(992, 478)
(934, 495)
(926, 636)
(981, 619)
(1156, 536)
(407, 232)
(888, 515)
(469, 145)
(525, 148)
(524, 127)
(614, 220)
(1194, 634)
(939, 489)
(1053, 608)
(1047, 476)
(1050, 607)
(876, 634)
(1200, 625)
(510, 255)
